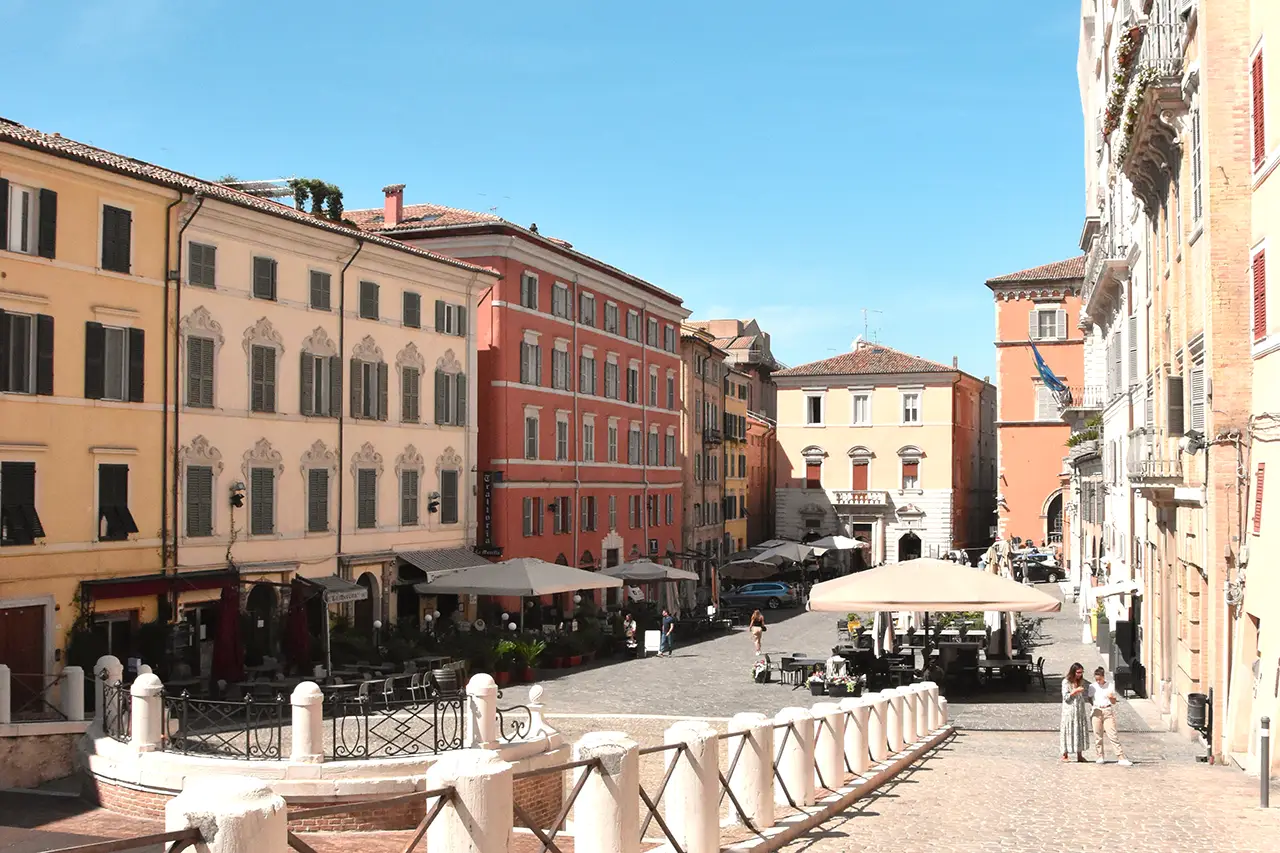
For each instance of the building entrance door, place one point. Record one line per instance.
(22, 650)
(909, 547)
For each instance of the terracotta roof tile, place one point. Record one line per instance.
(1070, 268)
(867, 359)
(60, 146)
(419, 216)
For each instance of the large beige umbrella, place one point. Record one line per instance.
(748, 570)
(929, 585)
(523, 576)
(647, 571)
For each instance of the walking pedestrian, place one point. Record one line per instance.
(1102, 695)
(668, 627)
(1073, 735)
(629, 632)
(757, 629)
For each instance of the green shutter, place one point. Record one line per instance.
(366, 498)
(199, 501)
(460, 312)
(335, 386)
(382, 390)
(460, 399)
(262, 492)
(317, 500)
(47, 234)
(440, 316)
(308, 368)
(137, 364)
(442, 397)
(95, 354)
(448, 497)
(44, 354)
(357, 390)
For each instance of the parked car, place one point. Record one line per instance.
(1036, 568)
(761, 594)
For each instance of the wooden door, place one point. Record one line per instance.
(22, 650)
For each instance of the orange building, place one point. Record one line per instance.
(1039, 306)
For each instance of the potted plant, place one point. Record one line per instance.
(505, 652)
(817, 684)
(838, 686)
(529, 653)
(760, 672)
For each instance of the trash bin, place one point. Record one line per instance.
(1198, 711)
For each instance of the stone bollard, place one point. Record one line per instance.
(478, 818)
(752, 777)
(482, 712)
(944, 713)
(794, 757)
(855, 735)
(308, 724)
(235, 814)
(877, 726)
(922, 711)
(537, 722)
(692, 798)
(828, 745)
(73, 693)
(908, 716)
(6, 696)
(110, 666)
(935, 712)
(893, 719)
(606, 815)
(147, 712)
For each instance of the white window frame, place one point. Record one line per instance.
(32, 235)
(122, 332)
(525, 437)
(918, 395)
(588, 438)
(1046, 404)
(1059, 323)
(32, 354)
(561, 301)
(563, 436)
(809, 397)
(903, 461)
(856, 394)
(612, 439)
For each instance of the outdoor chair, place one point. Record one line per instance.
(388, 690)
(362, 693)
(416, 688)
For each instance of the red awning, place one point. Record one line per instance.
(157, 584)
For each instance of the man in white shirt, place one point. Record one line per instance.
(1102, 696)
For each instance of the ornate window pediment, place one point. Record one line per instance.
(448, 363)
(366, 457)
(910, 511)
(319, 343)
(262, 333)
(200, 452)
(910, 451)
(410, 357)
(367, 350)
(448, 461)
(200, 324)
(813, 510)
(319, 456)
(263, 455)
(861, 454)
(410, 459)
(813, 454)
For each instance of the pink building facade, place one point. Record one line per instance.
(1039, 306)
(579, 395)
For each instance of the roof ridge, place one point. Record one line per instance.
(1072, 267)
(490, 216)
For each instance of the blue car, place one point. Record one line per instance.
(761, 595)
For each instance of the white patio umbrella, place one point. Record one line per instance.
(526, 577)
(792, 552)
(646, 571)
(929, 585)
(839, 543)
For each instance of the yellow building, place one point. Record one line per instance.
(82, 404)
(736, 387)
(1255, 670)
(889, 448)
(309, 426)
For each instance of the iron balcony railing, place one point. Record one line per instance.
(1162, 40)
(711, 435)
(1082, 397)
(1153, 456)
(1107, 251)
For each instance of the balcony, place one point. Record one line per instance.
(711, 437)
(860, 497)
(1154, 458)
(1148, 136)
(1081, 402)
(1106, 265)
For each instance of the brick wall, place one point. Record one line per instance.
(540, 796)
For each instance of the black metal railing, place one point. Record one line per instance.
(180, 839)
(117, 710)
(32, 697)
(437, 799)
(515, 723)
(363, 728)
(249, 729)
(651, 803)
(545, 837)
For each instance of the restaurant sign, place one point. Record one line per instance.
(342, 596)
(487, 481)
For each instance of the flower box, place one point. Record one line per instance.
(817, 688)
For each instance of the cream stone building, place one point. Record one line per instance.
(206, 389)
(893, 449)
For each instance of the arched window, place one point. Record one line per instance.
(813, 456)
(910, 457)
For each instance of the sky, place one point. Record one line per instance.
(796, 166)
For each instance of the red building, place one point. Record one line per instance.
(579, 392)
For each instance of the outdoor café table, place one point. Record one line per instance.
(1020, 666)
(805, 667)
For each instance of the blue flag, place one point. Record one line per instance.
(1050, 381)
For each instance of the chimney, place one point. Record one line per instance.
(955, 362)
(393, 210)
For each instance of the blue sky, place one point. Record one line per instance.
(795, 166)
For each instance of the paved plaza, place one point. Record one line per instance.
(997, 785)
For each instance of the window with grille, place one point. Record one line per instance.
(317, 500)
(262, 501)
(199, 500)
(409, 498)
(366, 498)
(201, 264)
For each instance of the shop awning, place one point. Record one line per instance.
(440, 561)
(1124, 587)
(338, 590)
(159, 583)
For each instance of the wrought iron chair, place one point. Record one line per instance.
(1038, 672)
